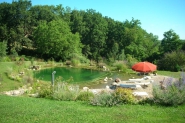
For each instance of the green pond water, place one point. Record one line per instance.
(78, 75)
(82, 77)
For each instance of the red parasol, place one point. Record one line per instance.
(144, 67)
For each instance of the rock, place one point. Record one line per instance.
(107, 87)
(105, 80)
(104, 68)
(16, 92)
(34, 95)
(85, 88)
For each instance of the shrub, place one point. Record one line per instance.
(85, 96)
(130, 60)
(51, 62)
(169, 97)
(104, 99)
(43, 89)
(172, 95)
(124, 95)
(75, 62)
(27, 79)
(172, 61)
(5, 59)
(120, 66)
(65, 92)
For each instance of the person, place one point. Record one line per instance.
(115, 84)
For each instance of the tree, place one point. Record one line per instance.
(55, 40)
(95, 33)
(183, 45)
(3, 47)
(170, 42)
(138, 43)
(172, 61)
(15, 23)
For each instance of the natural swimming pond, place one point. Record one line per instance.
(79, 75)
(83, 77)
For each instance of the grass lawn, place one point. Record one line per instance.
(169, 73)
(30, 110)
(6, 83)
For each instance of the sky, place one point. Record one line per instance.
(156, 16)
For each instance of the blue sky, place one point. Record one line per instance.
(156, 16)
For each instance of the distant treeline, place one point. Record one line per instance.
(62, 33)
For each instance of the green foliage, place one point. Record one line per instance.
(104, 99)
(55, 39)
(3, 48)
(85, 96)
(130, 60)
(51, 62)
(65, 92)
(43, 89)
(75, 62)
(120, 66)
(124, 96)
(170, 42)
(82, 59)
(172, 61)
(172, 95)
(60, 32)
(5, 59)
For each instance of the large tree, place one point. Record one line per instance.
(54, 39)
(94, 36)
(170, 42)
(15, 24)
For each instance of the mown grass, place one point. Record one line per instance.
(30, 110)
(6, 83)
(169, 73)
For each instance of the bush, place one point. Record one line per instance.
(172, 61)
(85, 96)
(65, 92)
(104, 99)
(124, 96)
(169, 97)
(51, 62)
(5, 59)
(172, 95)
(75, 62)
(43, 89)
(130, 60)
(120, 66)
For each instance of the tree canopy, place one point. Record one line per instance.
(58, 32)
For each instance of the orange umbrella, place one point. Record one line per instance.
(144, 67)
